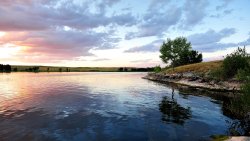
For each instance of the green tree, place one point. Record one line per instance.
(1, 67)
(7, 68)
(194, 57)
(179, 52)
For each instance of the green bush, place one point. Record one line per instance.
(157, 69)
(245, 99)
(216, 74)
(234, 62)
(241, 105)
(243, 75)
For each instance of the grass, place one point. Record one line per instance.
(203, 67)
(219, 137)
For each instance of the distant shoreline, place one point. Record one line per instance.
(20, 68)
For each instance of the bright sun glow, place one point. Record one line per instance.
(9, 50)
(2, 34)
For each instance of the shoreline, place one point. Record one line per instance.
(193, 81)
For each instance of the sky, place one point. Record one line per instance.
(115, 33)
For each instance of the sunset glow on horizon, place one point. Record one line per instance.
(116, 33)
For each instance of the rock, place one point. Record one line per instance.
(188, 74)
(202, 80)
(212, 82)
(239, 138)
(194, 78)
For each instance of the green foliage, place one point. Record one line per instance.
(237, 60)
(157, 69)
(235, 64)
(122, 69)
(219, 137)
(179, 52)
(195, 57)
(189, 57)
(171, 50)
(216, 74)
(15, 69)
(243, 75)
(245, 99)
(32, 69)
(5, 68)
(241, 106)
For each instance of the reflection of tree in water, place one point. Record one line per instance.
(241, 123)
(173, 112)
(239, 127)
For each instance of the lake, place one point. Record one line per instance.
(103, 106)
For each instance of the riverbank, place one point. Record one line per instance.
(194, 81)
(197, 76)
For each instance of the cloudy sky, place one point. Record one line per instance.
(117, 32)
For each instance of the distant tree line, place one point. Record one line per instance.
(142, 69)
(135, 69)
(32, 69)
(5, 68)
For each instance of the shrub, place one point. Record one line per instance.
(216, 74)
(157, 69)
(234, 62)
(243, 75)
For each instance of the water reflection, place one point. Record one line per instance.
(173, 112)
(241, 124)
(103, 106)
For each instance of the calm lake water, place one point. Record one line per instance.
(103, 106)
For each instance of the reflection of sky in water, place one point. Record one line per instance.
(99, 106)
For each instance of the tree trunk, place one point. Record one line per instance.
(173, 65)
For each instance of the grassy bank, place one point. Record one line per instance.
(200, 68)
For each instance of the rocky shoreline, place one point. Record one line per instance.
(194, 81)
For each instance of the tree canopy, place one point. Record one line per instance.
(5, 68)
(179, 52)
